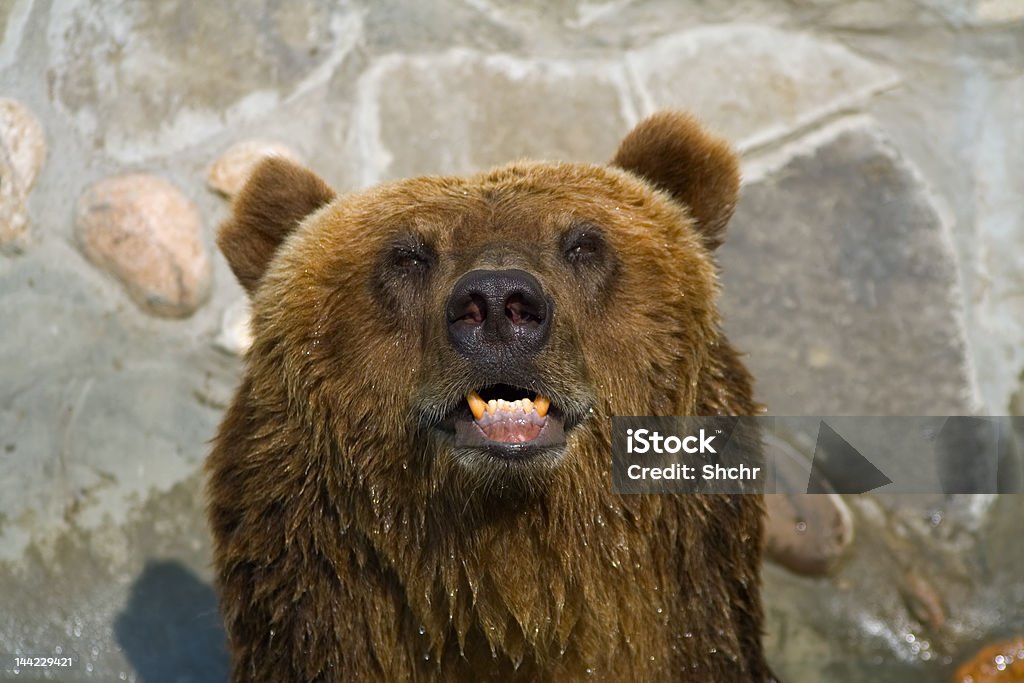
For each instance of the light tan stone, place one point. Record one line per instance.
(228, 173)
(22, 152)
(235, 335)
(147, 234)
(1000, 11)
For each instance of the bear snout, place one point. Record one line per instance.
(498, 314)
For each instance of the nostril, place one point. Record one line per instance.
(474, 311)
(520, 312)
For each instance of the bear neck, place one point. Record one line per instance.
(525, 575)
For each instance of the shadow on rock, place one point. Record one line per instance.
(170, 630)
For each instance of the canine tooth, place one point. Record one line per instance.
(492, 405)
(476, 404)
(541, 405)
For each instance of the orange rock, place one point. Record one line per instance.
(228, 174)
(998, 663)
(147, 234)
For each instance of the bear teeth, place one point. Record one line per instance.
(479, 407)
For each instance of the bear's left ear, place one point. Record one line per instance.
(672, 151)
(275, 199)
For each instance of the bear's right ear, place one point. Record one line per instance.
(275, 199)
(673, 152)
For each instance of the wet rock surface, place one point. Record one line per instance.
(873, 268)
(145, 613)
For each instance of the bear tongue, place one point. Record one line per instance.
(513, 428)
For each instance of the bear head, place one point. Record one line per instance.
(426, 407)
(486, 324)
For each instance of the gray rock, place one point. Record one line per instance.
(544, 14)
(99, 404)
(840, 283)
(128, 602)
(143, 78)
(13, 14)
(463, 110)
(996, 335)
(412, 27)
(754, 84)
(881, 15)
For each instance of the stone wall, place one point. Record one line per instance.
(875, 266)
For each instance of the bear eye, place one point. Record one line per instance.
(410, 259)
(582, 244)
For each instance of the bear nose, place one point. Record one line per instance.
(498, 311)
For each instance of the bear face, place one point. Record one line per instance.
(413, 481)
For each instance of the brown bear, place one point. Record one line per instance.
(413, 481)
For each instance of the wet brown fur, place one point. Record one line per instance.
(350, 544)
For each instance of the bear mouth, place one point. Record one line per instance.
(508, 421)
